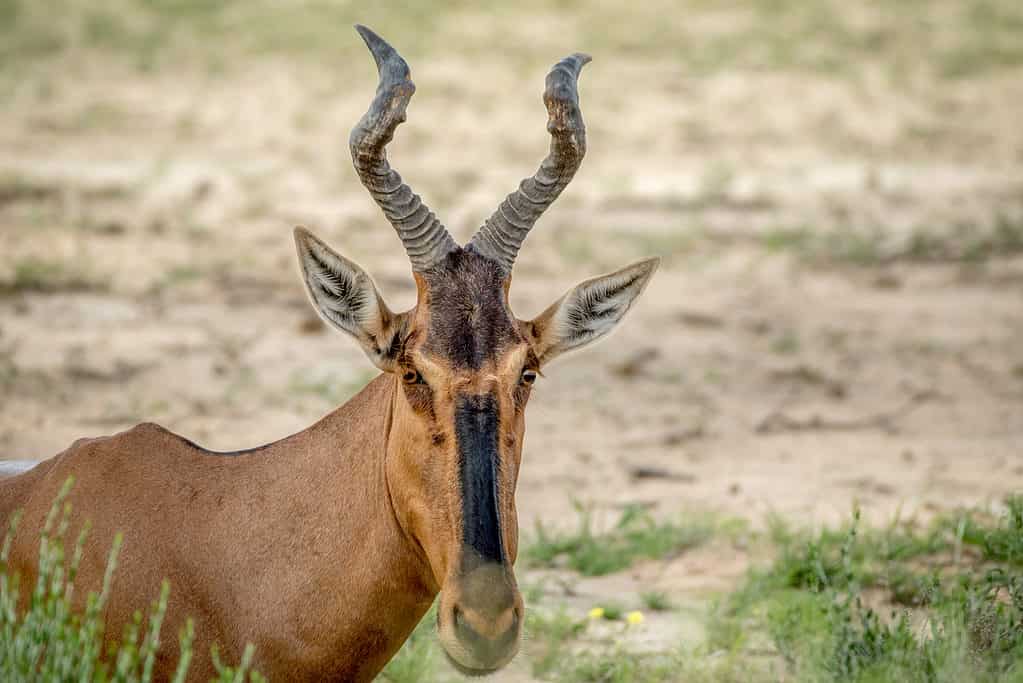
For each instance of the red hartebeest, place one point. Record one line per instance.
(324, 549)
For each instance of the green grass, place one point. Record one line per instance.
(163, 34)
(954, 40)
(619, 666)
(944, 603)
(50, 640)
(906, 602)
(176, 276)
(1001, 542)
(655, 601)
(1001, 237)
(786, 343)
(40, 275)
(636, 535)
(611, 611)
(786, 238)
(549, 634)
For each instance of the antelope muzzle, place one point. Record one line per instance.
(480, 619)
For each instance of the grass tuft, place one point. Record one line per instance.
(620, 666)
(549, 635)
(1001, 238)
(637, 535)
(656, 601)
(47, 276)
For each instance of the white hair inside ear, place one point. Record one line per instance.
(590, 310)
(344, 295)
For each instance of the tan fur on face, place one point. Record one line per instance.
(427, 472)
(423, 469)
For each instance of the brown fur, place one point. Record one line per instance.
(470, 322)
(293, 547)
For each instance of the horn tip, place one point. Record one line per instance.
(366, 32)
(377, 45)
(383, 53)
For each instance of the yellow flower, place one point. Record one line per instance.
(634, 618)
(597, 613)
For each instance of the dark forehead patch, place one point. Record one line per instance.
(469, 318)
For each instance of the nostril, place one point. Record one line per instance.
(496, 631)
(513, 626)
(462, 628)
(511, 633)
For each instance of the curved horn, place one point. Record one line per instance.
(426, 240)
(502, 235)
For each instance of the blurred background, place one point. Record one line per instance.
(836, 190)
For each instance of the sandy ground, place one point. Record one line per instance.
(755, 376)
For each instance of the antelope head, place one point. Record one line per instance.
(463, 365)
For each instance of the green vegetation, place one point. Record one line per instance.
(903, 603)
(943, 603)
(549, 634)
(636, 535)
(816, 36)
(786, 343)
(52, 641)
(1003, 237)
(611, 611)
(37, 275)
(907, 602)
(619, 666)
(656, 601)
(155, 34)
(563, 650)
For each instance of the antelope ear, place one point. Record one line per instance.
(589, 310)
(346, 298)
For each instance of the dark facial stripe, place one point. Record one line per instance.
(476, 429)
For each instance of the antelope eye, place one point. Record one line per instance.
(528, 376)
(412, 377)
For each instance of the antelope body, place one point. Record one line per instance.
(324, 549)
